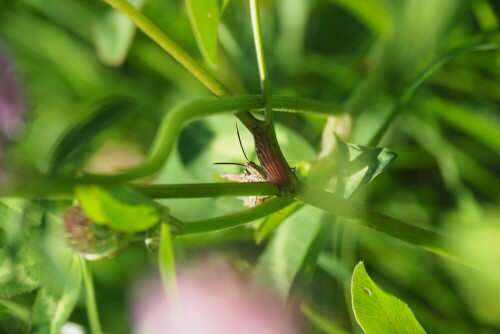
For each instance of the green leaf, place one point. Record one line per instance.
(271, 222)
(373, 14)
(119, 207)
(76, 140)
(377, 311)
(56, 300)
(358, 165)
(204, 18)
(288, 250)
(222, 5)
(113, 35)
(19, 273)
(89, 198)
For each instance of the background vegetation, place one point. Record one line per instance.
(358, 56)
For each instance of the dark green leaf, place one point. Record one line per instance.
(19, 273)
(76, 140)
(378, 312)
(373, 14)
(204, 18)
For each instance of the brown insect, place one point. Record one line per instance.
(251, 173)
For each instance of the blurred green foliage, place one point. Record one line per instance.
(359, 55)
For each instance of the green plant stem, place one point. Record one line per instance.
(167, 44)
(176, 118)
(200, 190)
(357, 212)
(237, 218)
(401, 102)
(166, 262)
(261, 60)
(90, 301)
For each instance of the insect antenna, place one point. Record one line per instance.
(229, 163)
(239, 139)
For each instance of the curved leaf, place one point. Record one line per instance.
(119, 206)
(76, 140)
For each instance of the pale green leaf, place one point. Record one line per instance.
(204, 18)
(89, 198)
(113, 35)
(358, 165)
(120, 207)
(378, 312)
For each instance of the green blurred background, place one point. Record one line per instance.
(358, 55)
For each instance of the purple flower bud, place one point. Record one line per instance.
(12, 104)
(12, 109)
(92, 240)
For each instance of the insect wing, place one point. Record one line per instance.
(234, 177)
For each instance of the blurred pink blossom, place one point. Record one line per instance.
(213, 299)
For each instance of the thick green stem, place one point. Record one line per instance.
(201, 190)
(237, 218)
(357, 212)
(90, 301)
